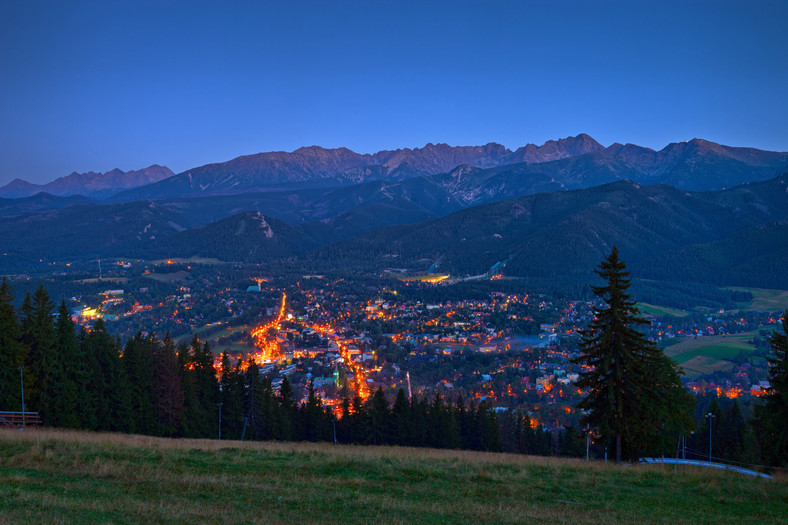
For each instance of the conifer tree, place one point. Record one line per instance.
(136, 364)
(771, 418)
(231, 397)
(359, 420)
(344, 425)
(312, 415)
(109, 387)
(26, 318)
(12, 352)
(39, 332)
(438, 424)
(65, 397)
(400, 415)
(732, 428)
(168, 386)
(379, 419)
(287, 410)
(87, 387)
(634, 397)
(201, 392)
(271, 419)
(253, 401)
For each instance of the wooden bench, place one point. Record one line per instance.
(19, 419)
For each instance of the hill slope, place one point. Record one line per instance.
(38, 203)
(87, 477)
(560, 233)
(315, 204)
(83, 231)
(752, 257)
(246, 237)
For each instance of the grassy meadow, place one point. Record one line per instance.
(764, 300)
(707, 354)
(71, 477)
(661, 311)
(172, 277)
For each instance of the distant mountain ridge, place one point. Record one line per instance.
(37, 203)
(90, 184)
(315, 166)
(471, 174)
(694, 165)
(477, 174)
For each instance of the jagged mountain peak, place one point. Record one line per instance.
(557, 149)
(90, 183)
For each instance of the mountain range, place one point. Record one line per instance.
(477, 174)
(470, 174)
(546, 212)
(315, 166)
(91, 184)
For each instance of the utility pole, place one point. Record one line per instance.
(711, 418)
(588, 436)
(335, 430)
(246, 422)
(22, 383)
(220, 421)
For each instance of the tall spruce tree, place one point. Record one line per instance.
(64, 404)
(231, 396)
(771, 418)
(201, 391)
(45, 369)
(12, 352)
(634, 396)
(168, 387)
(138, 367)
(108, 393)
(253, 401)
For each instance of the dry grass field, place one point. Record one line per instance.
(75, 477)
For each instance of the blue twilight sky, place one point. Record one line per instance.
(98, 85)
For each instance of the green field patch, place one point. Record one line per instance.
(708, 354)
(715, 351)
(173, 277)
(686, 344)
(701, 365)
(661, 311)
(764, 300)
